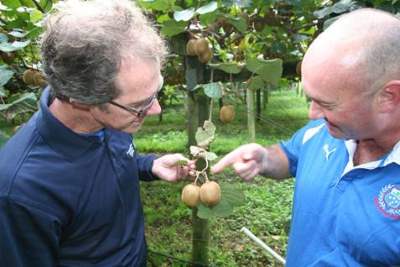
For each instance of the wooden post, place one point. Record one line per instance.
(198, 111)
(251, 124)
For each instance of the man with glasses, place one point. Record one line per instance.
(69, 178)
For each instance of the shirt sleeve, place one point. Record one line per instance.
(145, 164)
(293, 146)
(28, 236)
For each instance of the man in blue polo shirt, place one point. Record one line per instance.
(69, 178)
(346, 161)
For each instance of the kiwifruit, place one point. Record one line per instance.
(29, 76)
(202, 46)
(39, 79)
(191, 195)
(191, 47)
(227, 114)
(206, 56)
(210, 193)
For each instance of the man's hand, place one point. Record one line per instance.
(247, 161)
(172, 167)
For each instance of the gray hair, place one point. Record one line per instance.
(85, 41)
(378, 35)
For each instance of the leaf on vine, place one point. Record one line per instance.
(223, 209)
(210, 156)
(211, 7)
(230, 67)
(231, 197)
(184, 15)
(213, 90)
(205, 134)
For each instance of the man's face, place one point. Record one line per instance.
(336, 96)
(138, 83)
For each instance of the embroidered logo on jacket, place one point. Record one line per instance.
(131, 151)
(388, 201)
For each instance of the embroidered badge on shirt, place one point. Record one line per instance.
(327, 151)
(131, 151)
(388, 201)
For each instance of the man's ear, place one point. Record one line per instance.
(389, 97)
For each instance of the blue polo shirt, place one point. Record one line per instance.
(343, 215)
(68, 199)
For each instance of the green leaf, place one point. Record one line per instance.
(12, 4)
(223, 209)
(5, 75)
(256, 82)
(342, 6)
(25, 103)
(210, 156)
(213, 90)
(3, 92)
(3, 38)
(205, 135)
(14, 46)
(207, 8)
(184, 15)
(17, 33)
(232, 195)
(209, 18)
(230, 198)
(269, 70)
(171, 28)
(159, 5)
(233, 68)
(35, 16)
(238, 23)
(322, 13)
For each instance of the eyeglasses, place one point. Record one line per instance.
(140, 112)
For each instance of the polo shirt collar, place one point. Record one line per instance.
(392, 157)
(57, 135)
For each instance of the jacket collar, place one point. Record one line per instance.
(60, 137)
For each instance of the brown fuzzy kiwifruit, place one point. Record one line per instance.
(191, 195)
(206, 56)
(29, 76)
(202, 46)
(191, 47)
(39, 79)
(210, 193)
(227, 114)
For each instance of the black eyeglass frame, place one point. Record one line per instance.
(142, 111)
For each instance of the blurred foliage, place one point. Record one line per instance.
(237, 31)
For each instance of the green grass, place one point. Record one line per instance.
(268, 203)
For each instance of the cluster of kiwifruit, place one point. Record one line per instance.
(34, 78)
(226, 113)
(208, 193)
(201, 48)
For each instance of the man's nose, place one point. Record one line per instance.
(155, 108)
